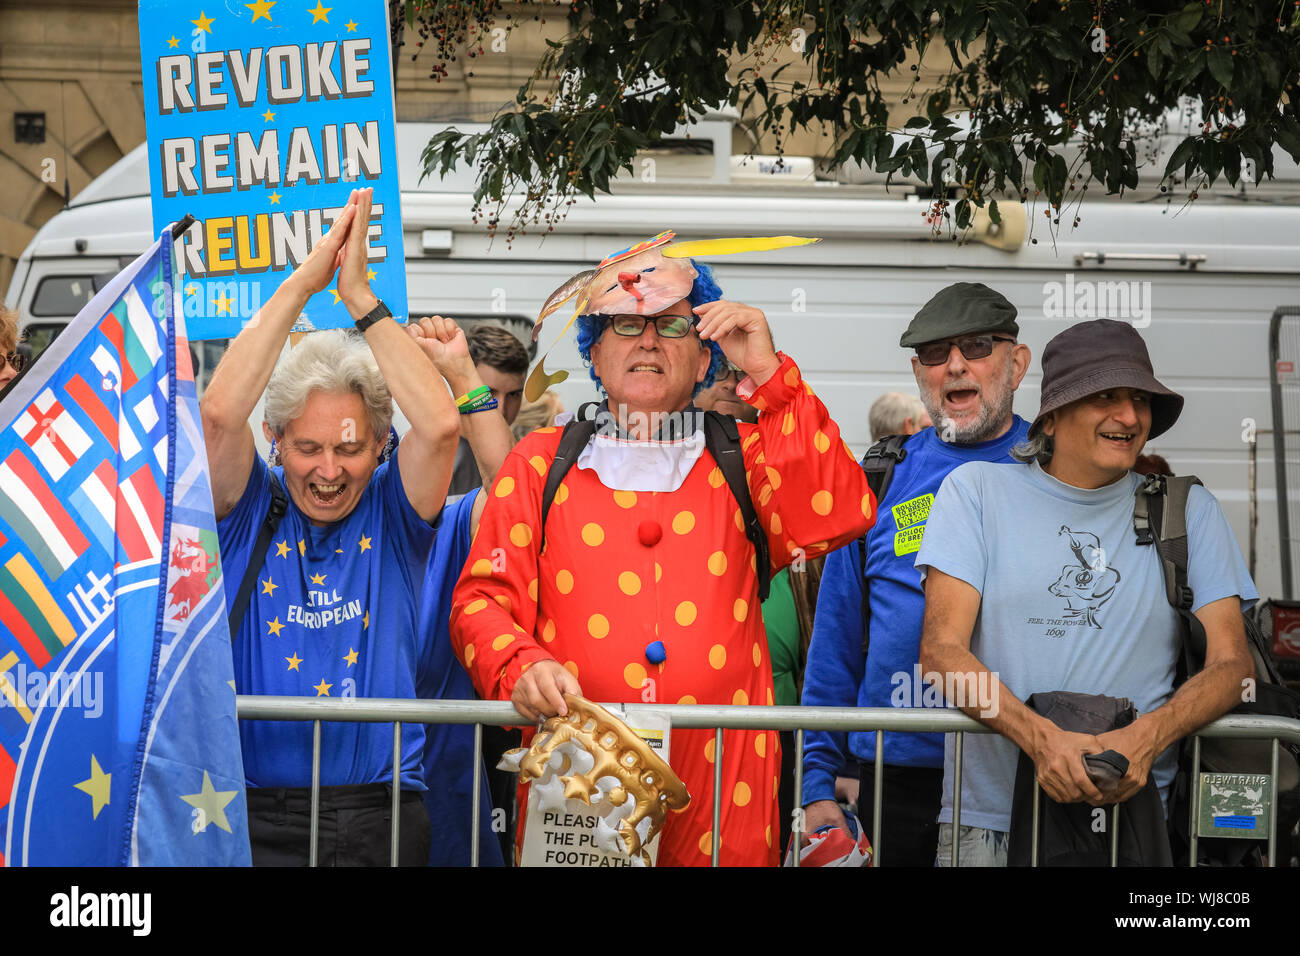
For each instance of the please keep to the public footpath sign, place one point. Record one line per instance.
(262, 118)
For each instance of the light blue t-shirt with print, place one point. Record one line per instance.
(1069, 601)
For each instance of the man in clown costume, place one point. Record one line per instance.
(640, 583)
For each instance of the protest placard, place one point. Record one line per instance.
(261, 118)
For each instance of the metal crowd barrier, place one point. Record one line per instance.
(728, 717)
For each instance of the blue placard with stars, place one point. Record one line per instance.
(262, 117)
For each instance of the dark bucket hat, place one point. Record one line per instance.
(963, 308)
(1093, 356)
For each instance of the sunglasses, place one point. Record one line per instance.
(972, 347)
(16, 359)
(667, 326)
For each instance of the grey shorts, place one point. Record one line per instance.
(978, 847)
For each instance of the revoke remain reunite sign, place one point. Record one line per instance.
(262, 117)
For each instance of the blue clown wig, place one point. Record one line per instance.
(591, 327)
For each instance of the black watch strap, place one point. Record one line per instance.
(374, 315)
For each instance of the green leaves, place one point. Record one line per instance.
(1046, 81)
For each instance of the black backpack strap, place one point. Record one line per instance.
(577, 432)
(722, 439)
(878, 463)
(1160, 518)
(279, 503)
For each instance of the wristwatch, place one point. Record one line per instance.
(380, 311)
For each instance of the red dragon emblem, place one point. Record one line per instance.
(192, 564)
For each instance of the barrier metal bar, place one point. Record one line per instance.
(1279, 444)
(1194, 803)
(956, 795)
(1033, 841)
(1114, 837)
(474, 820)
(315, 789)
(878, 796)
(1272, 823)
(716, 835)
(397, 791)
(796, 831)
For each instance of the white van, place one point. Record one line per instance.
(1200, 282)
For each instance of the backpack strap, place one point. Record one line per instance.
(577, 432)
(722, 439)
(1160, 518)
(878, 463)
(279, 504)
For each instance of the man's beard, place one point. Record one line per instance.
(990, 423)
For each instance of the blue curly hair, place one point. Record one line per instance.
(705, 289)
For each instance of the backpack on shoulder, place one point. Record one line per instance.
(721, 438)
(1160, 519)
(878, 463)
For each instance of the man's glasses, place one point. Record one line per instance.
(668, 326)
(972, 347)
(16, 359)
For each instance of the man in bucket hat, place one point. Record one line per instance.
(968, 365)
(1035, 582)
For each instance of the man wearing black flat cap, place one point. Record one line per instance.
(1035, 582)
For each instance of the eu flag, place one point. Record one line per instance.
(118, 739)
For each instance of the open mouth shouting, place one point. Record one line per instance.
(326, 494)
(961, 399)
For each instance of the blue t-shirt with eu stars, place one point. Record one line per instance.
(333, 614)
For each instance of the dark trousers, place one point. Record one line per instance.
(909, 820)
(355, 826)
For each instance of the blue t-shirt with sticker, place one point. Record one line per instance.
(1068, 601)
(334, 614)
(837, 675)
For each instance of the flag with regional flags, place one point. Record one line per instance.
(118, 739)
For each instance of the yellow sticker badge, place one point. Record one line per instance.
(909, 518)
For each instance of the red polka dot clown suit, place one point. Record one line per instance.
(618, 570)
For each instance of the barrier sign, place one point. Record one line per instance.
(1235, 805)
(262, 117)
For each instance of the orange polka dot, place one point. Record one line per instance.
(776, 523)
(769, 697)
(625, 499)
(740, 699)
(683, 522)
(757, 655)
(760, 403)
(521, 536)
(716, 480)
(760, 745)
(593, 534)
(473, 607)
(740, 610)
(760, 458)
(629, 583)
(787, 423)
(821, 441)
(502, 642)
(503, 600)
(532, 589)
(518, 629)
(561, 493)
(544, 431)
(634, 675)
(776, 786)
(791, 376)
(717, 657)
(823, 502)
(469, 655)
(706, 844)
(572, 668)
(753, 437)
(564, 581)
(598, 626)
(504, 487)
(773, 478)
(708, 749)
(741, 795)
(685, 613)
(769, 834)
(718, 563)
(481, 568)
(866, 506)
(659, 572)
(764, 497)
(548, 631)
(539, 464)
(688, 699)
(740, 521)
